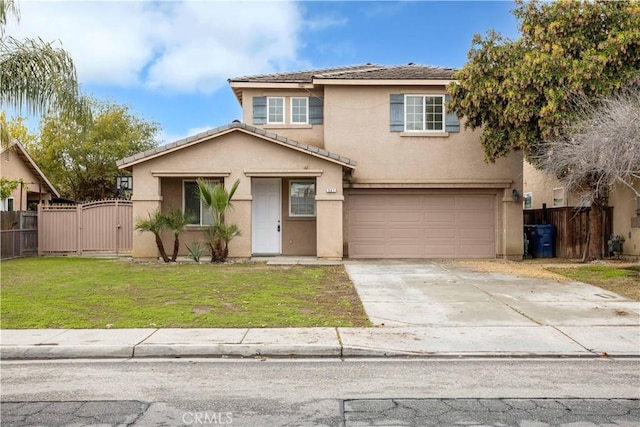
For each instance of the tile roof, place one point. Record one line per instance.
(310, 149)
(356, 72)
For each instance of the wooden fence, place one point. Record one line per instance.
(104, 226)
(572, 225)
(18, 234)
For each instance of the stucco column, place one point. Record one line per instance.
(512, 226)
(240, 214)
(329, 226)
(146, 200)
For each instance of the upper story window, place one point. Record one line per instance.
(424, 113)
(294, 111)
(275, 108)
(416, 115)
(300, 110)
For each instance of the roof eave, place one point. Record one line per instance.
(33, 167)
(129, 162)
(383, 82)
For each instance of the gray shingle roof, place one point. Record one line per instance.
(356, 72)
(310, 149)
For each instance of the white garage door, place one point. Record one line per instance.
(421, 226)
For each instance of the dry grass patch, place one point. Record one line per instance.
(61, 292)
(621, 278)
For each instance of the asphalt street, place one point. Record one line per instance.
(353, 392)
(350, 413)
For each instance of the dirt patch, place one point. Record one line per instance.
(526, 268)
(202, 309)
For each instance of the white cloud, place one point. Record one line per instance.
(182, 47)
(165, 138)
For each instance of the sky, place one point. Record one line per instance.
(169, 61)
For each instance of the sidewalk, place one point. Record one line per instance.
(462, 341)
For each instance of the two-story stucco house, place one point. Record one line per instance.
(362, 161)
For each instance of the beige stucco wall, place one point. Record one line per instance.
(541, 184)
(624, 203)
(298, 233)
(235, 155)
(12, 167)
(309, 134)
(622, 199)
(357, 126)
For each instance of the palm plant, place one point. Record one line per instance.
(218, 201)
(155, 224)
(176, 221)
(35, 75)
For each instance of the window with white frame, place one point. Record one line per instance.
(275, 110)
(424, 113)
(302, 198)
(192, 205)
(558, 197)
(527, 201)
(300, 110)
(7, 204)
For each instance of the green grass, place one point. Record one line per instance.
(623, 281)
(60, 292)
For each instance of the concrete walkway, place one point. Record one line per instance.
(419, 309)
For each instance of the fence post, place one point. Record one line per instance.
(79, 229)
(40, 229)
(117, 230)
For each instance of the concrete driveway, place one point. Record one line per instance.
(399, 293)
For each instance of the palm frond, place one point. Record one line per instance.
(35, 74)
(155, 223)
(36, 77)
(7, 8)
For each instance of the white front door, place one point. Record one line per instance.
(265, 216)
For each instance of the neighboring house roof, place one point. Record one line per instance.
(31, 165)
(355, 72)
(235, 127)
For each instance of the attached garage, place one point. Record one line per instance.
(421, 226)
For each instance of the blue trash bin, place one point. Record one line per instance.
(544, 241)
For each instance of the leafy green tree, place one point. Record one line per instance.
(176, 220)
(218, 201)
(35, 76)
(16, 129)
(79, 156)
(156, 224)
(7, 186)
(519, 92)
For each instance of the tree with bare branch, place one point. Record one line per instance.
(597, 152)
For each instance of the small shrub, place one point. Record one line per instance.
(195, 251)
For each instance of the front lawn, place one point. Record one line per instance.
(621, 280)
(60, 292)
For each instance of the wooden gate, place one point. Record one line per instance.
(104, 226)
(19, 234)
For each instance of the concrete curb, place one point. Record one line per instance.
(408, 342)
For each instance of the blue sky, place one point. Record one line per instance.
(170, 60)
